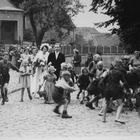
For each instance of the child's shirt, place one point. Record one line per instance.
(5, 67)
(63, 84)
(83, 81)
(50, 77)
(99, 73)
(25, 71)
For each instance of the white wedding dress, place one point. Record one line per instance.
(39, 71)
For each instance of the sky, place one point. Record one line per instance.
(87, 19)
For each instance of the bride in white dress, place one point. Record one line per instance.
(41, 64)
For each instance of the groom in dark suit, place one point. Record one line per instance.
(56, 58)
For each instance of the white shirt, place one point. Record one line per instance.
(56, 54)
(99, 73)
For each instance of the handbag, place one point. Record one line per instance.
(41, 90)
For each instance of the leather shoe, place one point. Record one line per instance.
(6, 100)
(90, 106)
(65, 115)
(56, 111)
(2, 103)
(120, 121)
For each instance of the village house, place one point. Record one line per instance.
(11, 23)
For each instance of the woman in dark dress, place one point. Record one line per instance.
(89, 59)
(77, 61)
(83, 82)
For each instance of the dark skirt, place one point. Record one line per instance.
(114, 92)
(93, 88)
(58, 95)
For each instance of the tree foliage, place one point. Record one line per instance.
(28, 35)
(124, 13)
(17, 3)
(45, 15)
(79, 40)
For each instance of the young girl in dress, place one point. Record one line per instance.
(25, 55)
(50, 78)
(83, 82)
(25, 78)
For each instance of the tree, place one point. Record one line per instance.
(125, 14)
(79, 40)
(17, 3)
(28, 35)
(45, 15)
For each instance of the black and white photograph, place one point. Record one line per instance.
(69, 69)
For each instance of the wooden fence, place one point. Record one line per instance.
(68, 50)
(107, 59)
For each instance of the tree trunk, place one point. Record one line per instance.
(40, 37)
(33, 26)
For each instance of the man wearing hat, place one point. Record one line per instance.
(5, 65)
(60, 93)
(56, 58)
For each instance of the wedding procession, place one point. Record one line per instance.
(45, 74)
(69, 68)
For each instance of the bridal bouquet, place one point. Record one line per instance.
(25, 68)
(40, 62)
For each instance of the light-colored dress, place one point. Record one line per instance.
(49, 85)
(39, 73)
(33, 78)
(25, 77)
(24, 56)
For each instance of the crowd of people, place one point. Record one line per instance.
(46, 74)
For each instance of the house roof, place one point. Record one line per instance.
(5, 5)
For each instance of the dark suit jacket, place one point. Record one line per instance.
(56, 62)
